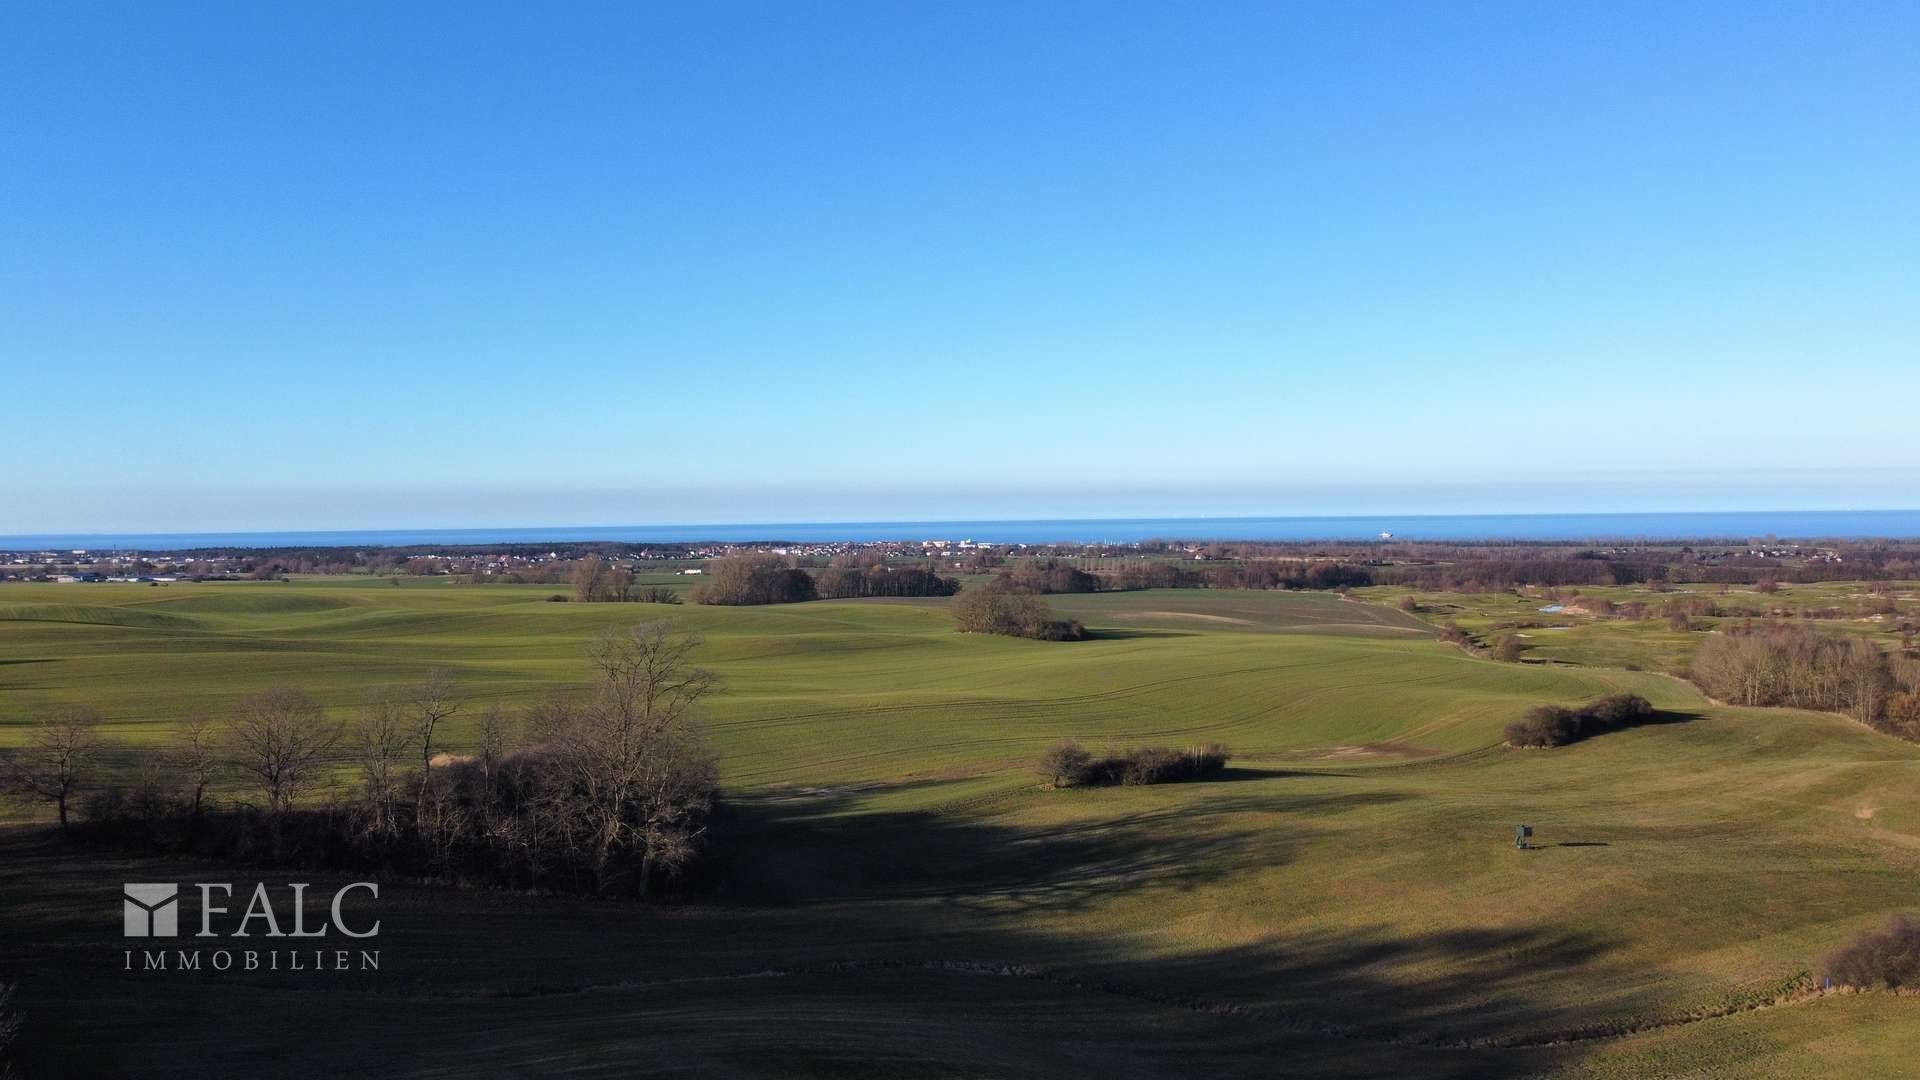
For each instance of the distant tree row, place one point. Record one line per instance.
(606, 790)
(1047, 575)
(842, 582)
(739, 580)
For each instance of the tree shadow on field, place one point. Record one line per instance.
(1119, 633)
(1663, 717)
(825, 848)
(1242, 773)
(832, 941)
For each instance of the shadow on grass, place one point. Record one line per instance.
(826, 849)
(1117, 633)
(1242, 773)
(841, 941)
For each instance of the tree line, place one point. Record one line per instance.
(1051, 575)
(608, 789)
(749, 579)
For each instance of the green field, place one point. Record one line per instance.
(897, 895)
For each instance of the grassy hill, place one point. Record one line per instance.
(897, 896)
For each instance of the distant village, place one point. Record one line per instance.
(80, 565)
(529, 563)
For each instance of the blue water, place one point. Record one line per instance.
(1739, 525)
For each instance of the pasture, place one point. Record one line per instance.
(896, 895)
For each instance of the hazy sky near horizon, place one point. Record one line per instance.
(374, 265)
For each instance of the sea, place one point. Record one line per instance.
(1597, 528)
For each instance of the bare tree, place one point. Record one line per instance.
(432, 701)
(493, 741)
(636, 759)
(380, 742)
(588, 579)
(58, 757)
(279, 738)
(196, 758)
(620, 584)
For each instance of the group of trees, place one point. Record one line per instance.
(1068, 764)
(1555, 725)
(999, 607)
(1794, 665)
(595, 580)
(607, 789)
(754, 579)
(770, 579)
(1050, 576)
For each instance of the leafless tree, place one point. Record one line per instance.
(431, 702)
(279, 739)
(636, 760)
(620, 584)
(588, 579)
(494, 737)
(59, 756)
(196, 758)
(381, 738)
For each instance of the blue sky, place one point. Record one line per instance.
(360, 265)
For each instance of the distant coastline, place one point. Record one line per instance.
(1727, 525)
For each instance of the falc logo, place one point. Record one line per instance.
(152, 909)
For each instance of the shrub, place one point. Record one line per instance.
(1886, 958)
(1063, 763)
(1067, 765)
(1554, 725)
(1508, 649)
(656, 594)
(1544, 725)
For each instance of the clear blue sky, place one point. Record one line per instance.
(403, 265)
